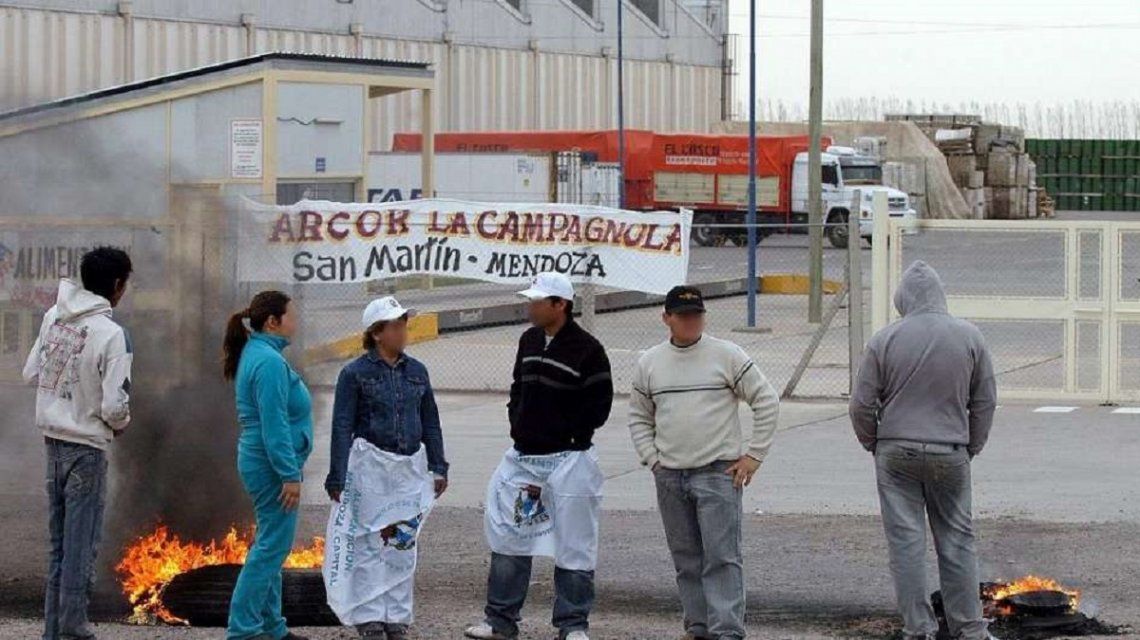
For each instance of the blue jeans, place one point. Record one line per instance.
(77, 489)
(506, 592)
(702, 513)
(255, 607)
(921, 482)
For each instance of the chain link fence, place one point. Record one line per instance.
(186, 284)
(479, 323)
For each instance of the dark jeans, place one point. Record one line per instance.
(76, 488)
(506, 592)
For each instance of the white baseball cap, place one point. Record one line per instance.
(384, 309)
(549, 285)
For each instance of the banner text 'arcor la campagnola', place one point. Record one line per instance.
(314, 242)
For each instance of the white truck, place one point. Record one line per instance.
(845, 171)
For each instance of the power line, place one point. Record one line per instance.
(919, 32)
(776, 36)
(936, 23)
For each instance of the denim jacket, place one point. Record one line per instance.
(392, 407)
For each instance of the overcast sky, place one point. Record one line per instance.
(949, 50)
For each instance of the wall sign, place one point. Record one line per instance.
(245, 148)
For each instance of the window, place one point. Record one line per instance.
(830, 174)
(651, 9)
(862, 174)
(587, 7)
(294, 192)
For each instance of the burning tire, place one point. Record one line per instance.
(202, 596)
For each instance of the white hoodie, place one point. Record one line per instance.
(81, 364)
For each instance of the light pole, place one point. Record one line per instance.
(750, 219)
(815, 177)
(621, 106)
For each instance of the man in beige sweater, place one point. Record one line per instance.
(685, 422)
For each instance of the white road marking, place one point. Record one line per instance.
(1129, 410)
(1054, 409)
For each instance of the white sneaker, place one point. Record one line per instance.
(483, 631)
(577, 635)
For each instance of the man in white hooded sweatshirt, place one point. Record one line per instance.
(81, 366)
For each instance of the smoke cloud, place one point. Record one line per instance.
(176, 463)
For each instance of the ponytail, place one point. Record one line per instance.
(234, 342)
(265, 305)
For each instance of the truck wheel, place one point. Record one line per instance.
(837, 230)
(704, 235)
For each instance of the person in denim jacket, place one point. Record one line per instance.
(385, 397)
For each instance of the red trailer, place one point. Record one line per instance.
(703, 172)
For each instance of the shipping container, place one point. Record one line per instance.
(494, 177)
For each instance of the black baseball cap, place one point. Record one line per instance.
(684, 299)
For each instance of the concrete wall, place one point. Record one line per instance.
(200, 130)
(301, 139)
(108, 167)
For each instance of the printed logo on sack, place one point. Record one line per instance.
(402, 535)
(529, 509)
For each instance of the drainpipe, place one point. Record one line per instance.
(126, 12)
(356, 29)
(448, 91)
(249, 23)
(536, 90)
(608, 54)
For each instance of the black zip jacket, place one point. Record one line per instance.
(561, 393)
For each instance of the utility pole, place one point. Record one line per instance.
(621, 106)
(750, 219)
(815, 177)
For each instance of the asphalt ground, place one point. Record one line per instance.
(1056, 493)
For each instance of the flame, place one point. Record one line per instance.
(1032, 583)
(152, 561)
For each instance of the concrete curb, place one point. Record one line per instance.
(515, 312)
(421, 328)
(428, 326)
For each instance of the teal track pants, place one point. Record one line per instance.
(255, 608)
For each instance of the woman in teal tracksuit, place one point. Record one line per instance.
(275, 414)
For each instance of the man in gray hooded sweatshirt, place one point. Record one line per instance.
(923, 404)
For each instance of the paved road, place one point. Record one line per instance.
(1056, 493)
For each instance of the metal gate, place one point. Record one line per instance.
(1058, 302)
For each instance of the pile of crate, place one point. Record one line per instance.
(988, 164)
(1089, 175)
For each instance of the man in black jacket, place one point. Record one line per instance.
(561, 393)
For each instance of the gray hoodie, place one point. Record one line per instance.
(927, 377)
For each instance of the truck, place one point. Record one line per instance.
(708, 173)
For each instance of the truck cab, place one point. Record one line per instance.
(844, 171)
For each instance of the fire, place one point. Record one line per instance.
(1032, 583)
(154, 560)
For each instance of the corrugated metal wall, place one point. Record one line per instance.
(48, 54)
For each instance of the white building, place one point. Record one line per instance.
(498, 64)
